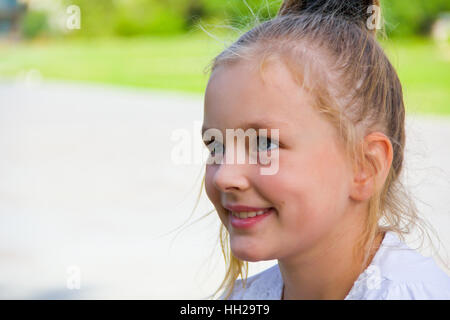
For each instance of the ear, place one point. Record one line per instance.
(378, 154)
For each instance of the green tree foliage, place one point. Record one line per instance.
(34, 23)
(412, 17)
(148, 17)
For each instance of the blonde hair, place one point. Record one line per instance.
(336, 32)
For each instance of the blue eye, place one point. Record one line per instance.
(213, 149)
(264, 142)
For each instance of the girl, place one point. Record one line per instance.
(334, 213)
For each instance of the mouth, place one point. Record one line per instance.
(248, 219)
(249, 214)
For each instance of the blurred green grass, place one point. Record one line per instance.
(174, 63)
(424, 70)
(177, 63)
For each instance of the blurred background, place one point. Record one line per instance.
(94, 97)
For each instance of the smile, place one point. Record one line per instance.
(245, 220)
(249, 214)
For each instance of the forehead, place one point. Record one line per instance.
(240, 93)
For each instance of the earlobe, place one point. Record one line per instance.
(362, 184)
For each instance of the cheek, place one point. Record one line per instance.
(309, 190)
(212, 192)
(331, 177)
(209, 187)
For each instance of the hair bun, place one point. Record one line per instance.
(350, 9)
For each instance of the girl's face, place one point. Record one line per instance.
(310, 191)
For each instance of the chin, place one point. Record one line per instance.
(249, 253)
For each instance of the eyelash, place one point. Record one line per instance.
(269, 142)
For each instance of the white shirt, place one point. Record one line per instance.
(396, 272)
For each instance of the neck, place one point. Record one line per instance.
(329, 270)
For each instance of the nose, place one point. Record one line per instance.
(231, 177)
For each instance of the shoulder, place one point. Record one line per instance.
(399, 272)
(266, 285)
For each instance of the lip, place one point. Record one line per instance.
(242, 208)
(248, 222)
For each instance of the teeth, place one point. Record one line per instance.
(244, 215)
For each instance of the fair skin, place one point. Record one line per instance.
(320, 200)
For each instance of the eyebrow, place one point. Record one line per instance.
(260, 124)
